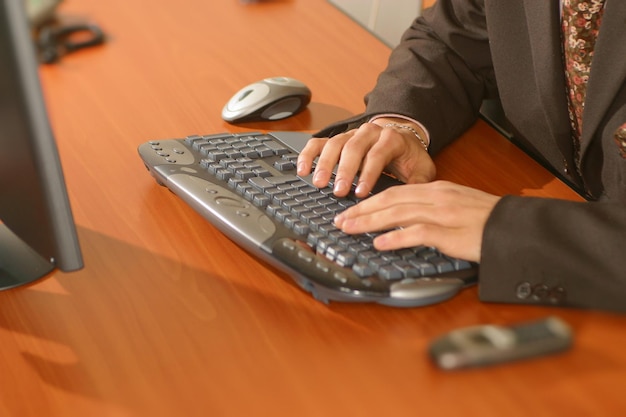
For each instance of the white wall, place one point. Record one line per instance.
(387, 19)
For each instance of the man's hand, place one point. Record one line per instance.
(442, 214)
(367, 151)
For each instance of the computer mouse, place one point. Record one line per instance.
(272, 98)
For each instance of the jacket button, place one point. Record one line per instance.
(557, 295)
(523, 290)
(540, 292)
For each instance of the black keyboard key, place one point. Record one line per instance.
(261, 200)
(425, 267)
(442, 264)
(363, 270)
(301, 228)
(345, 259)
(389, 272)
(276, 147)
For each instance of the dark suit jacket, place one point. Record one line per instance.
(462, 51)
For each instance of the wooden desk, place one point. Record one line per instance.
(170, 318)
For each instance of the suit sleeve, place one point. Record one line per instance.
(553, 252)
(439, 74)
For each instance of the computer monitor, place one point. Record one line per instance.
(37, 230)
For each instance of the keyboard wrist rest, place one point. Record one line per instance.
(226, 210)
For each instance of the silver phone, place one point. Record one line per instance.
(491, 344)
(39, 11)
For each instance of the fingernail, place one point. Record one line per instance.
(360, 188)
(316, 176)
(380, 242)
(338, 220)
(301, 168)
(340, 186)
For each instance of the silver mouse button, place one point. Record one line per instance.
(269, 99)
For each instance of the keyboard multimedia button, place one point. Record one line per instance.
(341, 277)
(231, 202)
(306, 256)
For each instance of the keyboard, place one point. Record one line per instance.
(246, 186)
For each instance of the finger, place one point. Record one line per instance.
(328, 158)
(436, 192)
(385, 218)
(416, 235)
(311, 150)
(439, 202)
(388, 147)
(385, 199)
(420, 172)
(355, 151)
(411, 163)
(463, 243)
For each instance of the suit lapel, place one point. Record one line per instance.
(543, 21)
(608, 69)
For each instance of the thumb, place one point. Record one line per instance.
(424, 171)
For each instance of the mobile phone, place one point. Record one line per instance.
(491, 344)
(39, 11)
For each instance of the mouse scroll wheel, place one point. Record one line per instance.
(245, 94)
